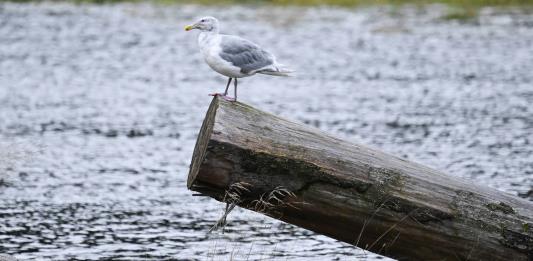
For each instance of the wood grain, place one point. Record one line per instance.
(354, 193)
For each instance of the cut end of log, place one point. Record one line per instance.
(202, 142)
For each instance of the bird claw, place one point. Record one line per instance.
(223, 96)
(229, 99)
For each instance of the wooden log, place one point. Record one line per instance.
(353, 193)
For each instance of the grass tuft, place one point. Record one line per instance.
(268, 203)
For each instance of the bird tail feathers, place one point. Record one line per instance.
(277, 70)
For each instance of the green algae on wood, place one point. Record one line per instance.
(502, 207)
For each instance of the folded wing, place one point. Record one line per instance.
(247, 56)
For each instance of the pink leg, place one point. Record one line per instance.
(224, 95)
(225, 92)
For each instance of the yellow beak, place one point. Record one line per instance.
(189, 27)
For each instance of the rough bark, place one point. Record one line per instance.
(353, 193)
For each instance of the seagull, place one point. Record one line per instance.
(233, 56)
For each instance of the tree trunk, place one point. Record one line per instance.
(353, 193)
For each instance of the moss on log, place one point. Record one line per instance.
(353, 193)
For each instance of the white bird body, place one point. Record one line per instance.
(210, 48)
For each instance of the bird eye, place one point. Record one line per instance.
(203, 20)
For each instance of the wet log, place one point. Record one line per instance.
(353, 193)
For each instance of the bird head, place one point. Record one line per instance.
(206, 24)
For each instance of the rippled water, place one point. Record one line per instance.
(100, 106)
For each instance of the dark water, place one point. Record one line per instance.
(100, 107)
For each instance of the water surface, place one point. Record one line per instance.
(100, 106)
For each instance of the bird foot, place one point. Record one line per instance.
(223, 96)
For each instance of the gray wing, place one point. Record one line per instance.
(244, 54)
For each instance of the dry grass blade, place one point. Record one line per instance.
(394, 240)
(276, 198)
(370, 219)
(232, 197)
(391, 228)
(472, 249)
